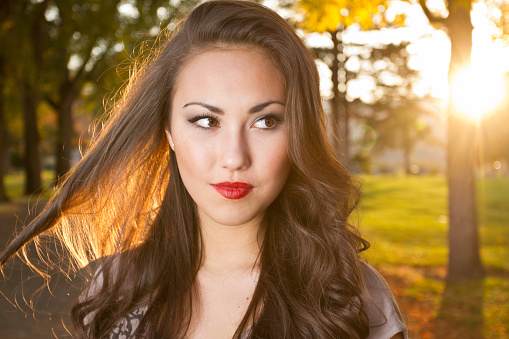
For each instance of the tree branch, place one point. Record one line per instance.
(431, 17)
(85, 62)
(50, 101)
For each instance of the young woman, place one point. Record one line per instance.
(212, 201)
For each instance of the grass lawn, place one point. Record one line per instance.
(14, 185)
(405, 219)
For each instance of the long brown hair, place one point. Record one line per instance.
(125, 204)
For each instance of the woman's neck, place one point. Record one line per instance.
(230, 249)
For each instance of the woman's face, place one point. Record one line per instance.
(228, 130)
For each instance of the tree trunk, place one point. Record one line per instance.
(65, 133)
(335, 93)
(3, 133)
(407, 151)
(339, 113)
(464, 258)
(31, 137)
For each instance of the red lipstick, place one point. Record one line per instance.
(233, 190)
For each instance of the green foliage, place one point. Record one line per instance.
(65, 56)
(400, 124)
(85, 38)
(396, 115)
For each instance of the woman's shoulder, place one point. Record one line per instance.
(385, 318)
(127, 326)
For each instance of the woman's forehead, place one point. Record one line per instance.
(227, 76)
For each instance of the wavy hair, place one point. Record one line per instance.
(125, 204)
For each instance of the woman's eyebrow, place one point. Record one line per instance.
(217, 110)
(209, 107)
(260, 107)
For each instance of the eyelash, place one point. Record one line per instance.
(202, 116)
(207, 116)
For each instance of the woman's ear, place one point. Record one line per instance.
(170, 139)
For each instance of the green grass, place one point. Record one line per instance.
(15, 186)
(494, 222)
(405, 221)
(15, 183)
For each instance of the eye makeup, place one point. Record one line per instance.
(212, 121)
(275, 119)
(208, 121)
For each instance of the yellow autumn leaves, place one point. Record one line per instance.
(326, 15)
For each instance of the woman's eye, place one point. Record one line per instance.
(207, 122)
(265, 122)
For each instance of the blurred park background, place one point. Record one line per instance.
(417, 90)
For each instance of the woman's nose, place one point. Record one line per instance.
(235, 151)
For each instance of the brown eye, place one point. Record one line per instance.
(207, 122)
(212, 122)
(269, 122)
(266, 122)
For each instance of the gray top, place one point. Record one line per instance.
(385, 319)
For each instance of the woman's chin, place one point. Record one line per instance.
(232, 217)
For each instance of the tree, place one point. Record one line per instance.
(5, 22)
(3, 131)
(494, 139)
(30, 97)
(464, 257)
(401, 127)
(394, 112)
(333, 16)
(79, 41)
(23, 67)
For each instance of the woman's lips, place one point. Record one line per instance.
(233, 190)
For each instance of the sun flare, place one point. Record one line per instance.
(477, 91)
